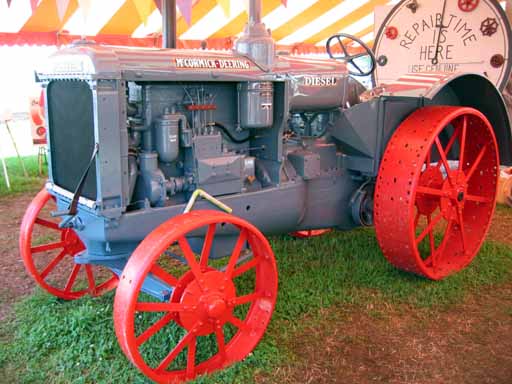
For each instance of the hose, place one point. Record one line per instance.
(226, 132)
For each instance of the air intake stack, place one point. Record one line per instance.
(256, 41)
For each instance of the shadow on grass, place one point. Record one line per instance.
(62, 342)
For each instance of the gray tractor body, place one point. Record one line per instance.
(288, 143)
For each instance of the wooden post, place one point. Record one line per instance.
(4, 167)
(16, 148)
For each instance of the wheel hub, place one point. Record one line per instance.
(73, 244)
(208, 300)
(215, 307)
(455, 195)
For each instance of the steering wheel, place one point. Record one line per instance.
(350, 58)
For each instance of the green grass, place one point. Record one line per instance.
(20, 183)
(50, 341)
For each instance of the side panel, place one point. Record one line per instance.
(112, 137)
(364, 130)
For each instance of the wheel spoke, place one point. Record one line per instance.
(159, 307)
(52, 264)
(429, 228)
(463, 142)
(163, 275)
(48, 224)
(245, 267)
(90, 278)
(343, 47)
(151, 331)
(451, 142)
(221, 342)
(245, 299)
(476, 163)
(207, 246)
(461, 227)
(444, 160)
(351, 61)
(417, 219)
(236, 252)
(430, 191)
(47, 247)
(72, 277)
(237, 322)
(190, 257)
(441, 248)
(191, 357)
(431, 236)
(176, 351)
(478, 199)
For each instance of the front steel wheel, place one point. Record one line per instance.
(48, 254)
(212, 312)
(436, 190)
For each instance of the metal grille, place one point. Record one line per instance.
(71, 130)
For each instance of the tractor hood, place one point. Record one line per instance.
(91, 61)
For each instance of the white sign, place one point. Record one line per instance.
(444, 36)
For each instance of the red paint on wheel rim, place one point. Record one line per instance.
(310, 233)
(204, 300)
(65, 244)
(436, 190)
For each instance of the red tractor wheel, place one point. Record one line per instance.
(310, 233)
(216, 309)
(48, 254)
(436, 190)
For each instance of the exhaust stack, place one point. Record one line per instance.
(254, 12)
(256, 42)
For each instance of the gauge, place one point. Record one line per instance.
(421, 36)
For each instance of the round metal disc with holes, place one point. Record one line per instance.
(436, 190)
(48, 254)
(455, 36)
(210, 314)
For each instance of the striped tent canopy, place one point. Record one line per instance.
(300, 26)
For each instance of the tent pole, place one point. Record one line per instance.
(4, 167)
(169, 23)
(20, 159)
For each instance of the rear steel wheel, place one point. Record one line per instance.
(436, 190)
(48, 254)
(214, 311)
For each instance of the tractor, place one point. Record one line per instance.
(168, 168)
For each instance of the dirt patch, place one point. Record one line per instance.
(501, 228)
(470, 343)
(15, 282)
